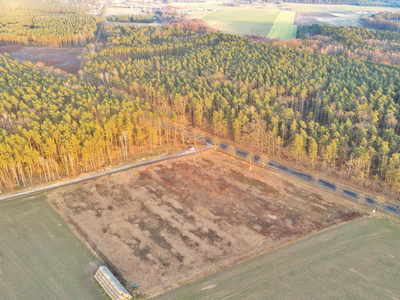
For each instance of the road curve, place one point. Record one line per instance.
(104, 173)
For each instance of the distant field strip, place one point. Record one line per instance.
(358, 260)
(285, 17)
(283, 26)
(241, 22)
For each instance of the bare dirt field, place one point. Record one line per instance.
(65, 59)
(173, 222)
(309, 18)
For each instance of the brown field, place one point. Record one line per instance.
(309, 18)
(167, 224)
(65, 59)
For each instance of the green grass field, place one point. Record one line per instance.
(231, 20)
(40, 257)
(283, 27)
(358, 260)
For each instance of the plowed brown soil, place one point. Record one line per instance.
(166, 224)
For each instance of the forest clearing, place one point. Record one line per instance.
(40, 257)
(65, 59)
(182, 219)
(357, 260)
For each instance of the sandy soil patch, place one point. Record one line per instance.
(166, 224)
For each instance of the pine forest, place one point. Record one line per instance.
(328, 112)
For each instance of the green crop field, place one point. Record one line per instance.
(285, 18)
(40, 257)
(283, 27)
(243, 21)
(284, 32)
(358, 260)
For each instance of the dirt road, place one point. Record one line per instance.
(104, 173)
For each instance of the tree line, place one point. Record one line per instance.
(387, 15)
(354, 42)
(131, 18)
(57, 6)
(331, 112)
(383, 21)
(51, 29)
(52, 128)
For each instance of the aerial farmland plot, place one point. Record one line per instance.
(338, 15)
(270, 20)
(283, 27)
(40, 257)
(358, 260)
(176, 221)
(244, 21)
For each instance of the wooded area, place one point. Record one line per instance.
(329, 111)
(56, 6)
(387, 15)
(52, 29)
(51, 128)
(132, 18)
(383, 21)
(353, 42)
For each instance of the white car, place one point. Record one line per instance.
(191, 148)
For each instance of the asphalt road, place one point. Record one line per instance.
(327, 185)
(351, 194)
(307, 177)
(223, 146)
(291, 171)
(104, 173)
(241, 153)
(391, 208)
(371, 201)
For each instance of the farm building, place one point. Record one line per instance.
(111, 285)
